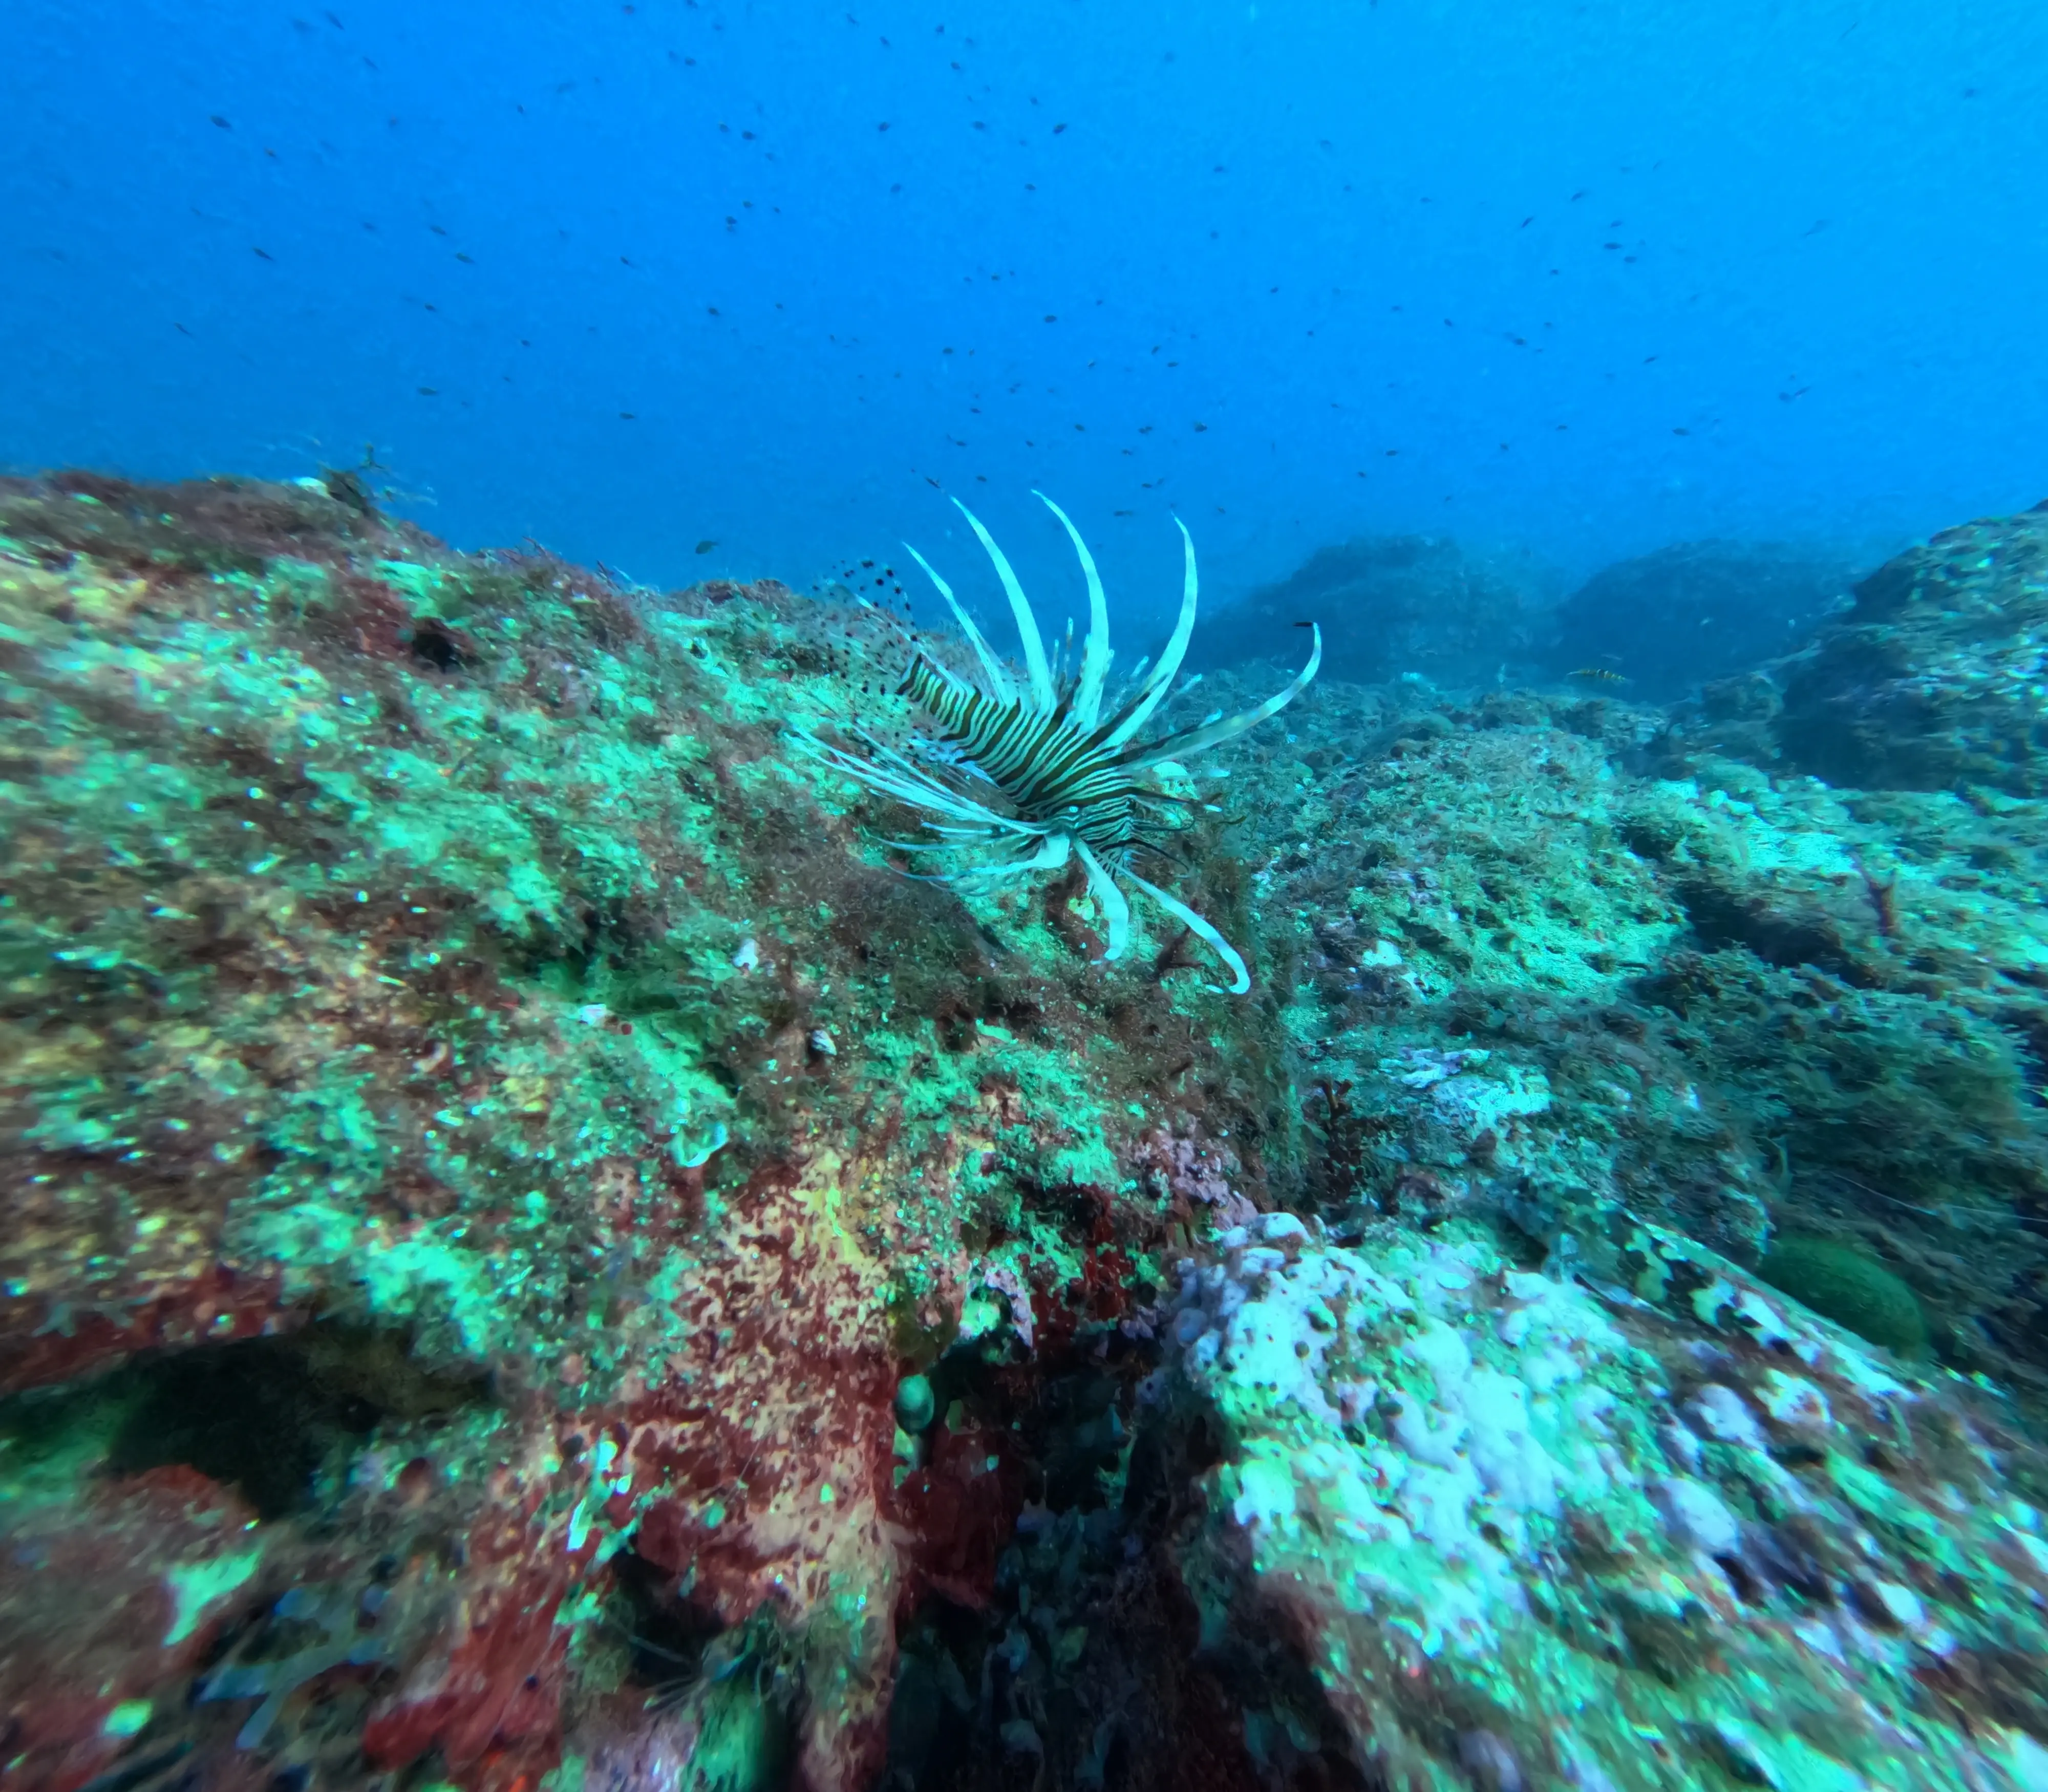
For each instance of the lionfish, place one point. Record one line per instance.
(1022, 779)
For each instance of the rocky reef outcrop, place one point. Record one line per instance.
(1391, 606)
(534, 1256)
(1669, 1506)
(1694, 611)
(1935, 679)
(486, 1143)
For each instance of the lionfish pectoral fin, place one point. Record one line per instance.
(1203, 931)
(1214, 734)
(1115, 909)
(1050, 857)
(888, 773)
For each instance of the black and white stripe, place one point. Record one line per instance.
(1050, 769)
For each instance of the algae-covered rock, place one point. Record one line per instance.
(534, 1257)
(438, 948)
(1851, 1287)
(915, 1406)
(1529, 1532)
(1934, 680)
(1755, 1000)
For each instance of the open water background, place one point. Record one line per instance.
(1577, 280)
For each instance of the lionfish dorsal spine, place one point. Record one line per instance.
(991, 667)
(1094, 649)
(1020, 606)
(1145, 699)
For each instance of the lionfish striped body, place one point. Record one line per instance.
(1071, 781)
(1052, 772)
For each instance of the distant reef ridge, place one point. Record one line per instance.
(1932, 678)
(1390, 606)
(1428, 607)
(1696, 610)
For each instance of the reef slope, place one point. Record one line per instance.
(533, 1252)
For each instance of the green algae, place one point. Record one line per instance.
(448, 946)
(1851, 1287)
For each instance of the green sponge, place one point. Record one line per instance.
(1851, 1287)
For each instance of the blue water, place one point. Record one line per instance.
(627, 278)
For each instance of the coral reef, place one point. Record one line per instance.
(535, 1256)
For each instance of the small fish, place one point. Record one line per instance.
(706, 547)
(1598, 675)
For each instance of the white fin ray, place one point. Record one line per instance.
(1115, 909)
(1042, 694)
(1203, 930)
(1051, 853)
(886, 770)
(1161, 675)
(1095, 651)
(1213, 734)
(998, 681)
